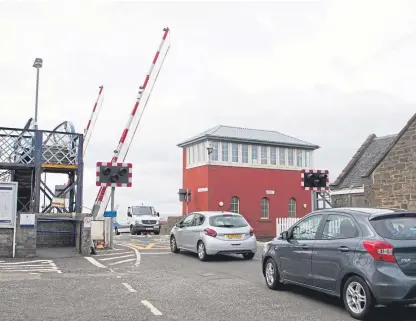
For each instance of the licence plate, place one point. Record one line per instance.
(233, 236)
(149, 229)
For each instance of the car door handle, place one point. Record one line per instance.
(343, 249)
(304, 246)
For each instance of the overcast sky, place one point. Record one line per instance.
(330, 73)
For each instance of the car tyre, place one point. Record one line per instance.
(248, 256)
(156, 233)
(202, 253)
(132, 231)
(116, 231)
(272, 275)
(357, 297)
(173, 246)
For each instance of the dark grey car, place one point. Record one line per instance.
(365, 256)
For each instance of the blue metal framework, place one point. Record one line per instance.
(27, 153)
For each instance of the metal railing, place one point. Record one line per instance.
(19, 146)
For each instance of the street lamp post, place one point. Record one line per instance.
(37, 64)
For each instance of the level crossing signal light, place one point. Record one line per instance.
(114, 174)
(314, 179)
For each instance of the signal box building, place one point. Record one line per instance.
(256, 173)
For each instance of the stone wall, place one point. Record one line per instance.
(25, 241)
(167, 227)
(348, 200)
(394, 180)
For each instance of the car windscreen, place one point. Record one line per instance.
(396, 227)
(141, 210)
(227, 221)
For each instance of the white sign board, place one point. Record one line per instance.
(8, 203)
(97, 230)
(27, 220)
(87, 221)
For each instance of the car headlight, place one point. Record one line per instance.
(138, 222)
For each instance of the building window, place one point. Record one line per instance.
(194, 155)
(245, 153)
(254, 154)
(200, 152)
(282, 156)
(214, 154)
(273, 156)
(263, 154)
(307, 155)
(299, 158)
(224, 151)
(292, 208)
(204, 151)
(264, 208)
(188, 156)
(235, 204)
(290, 157)
(234, 151)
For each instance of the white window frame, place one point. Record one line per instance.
(232, 153)
(264, 208)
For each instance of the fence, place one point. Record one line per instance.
(284, 223)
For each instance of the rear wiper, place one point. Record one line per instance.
(229, 225)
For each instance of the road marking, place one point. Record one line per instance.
(124, 261)
(140, 247)
(107, 254)
(128, 286)
(138, 257)
(156, 253)
(29, 266)
(151, 307)
(150, 246)
(116, 257)
(94, 262)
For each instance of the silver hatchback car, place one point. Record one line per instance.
(212, 233)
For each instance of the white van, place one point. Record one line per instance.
(143, 219)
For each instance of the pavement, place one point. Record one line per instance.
(151, 283)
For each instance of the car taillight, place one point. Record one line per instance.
(210, 232)
(251, 232)
(380, 251)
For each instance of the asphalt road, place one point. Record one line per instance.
(162, 286)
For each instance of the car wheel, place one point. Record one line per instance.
(202, 253)
(357, 297)
(272, 276)
(116, 231)
(132, 231)
(173, 245)
(248, 256)
(157, 233)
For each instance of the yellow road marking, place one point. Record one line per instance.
(149, 246)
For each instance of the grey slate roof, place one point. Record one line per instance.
(247, 135)
(369, 154)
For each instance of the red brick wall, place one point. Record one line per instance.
(250, 185)
(193, 179)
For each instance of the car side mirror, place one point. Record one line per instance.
(129, 215)
(284, 235)
(178, 224)
(158, 214)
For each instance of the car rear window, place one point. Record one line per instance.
(227, 221)
(396, 228)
